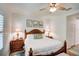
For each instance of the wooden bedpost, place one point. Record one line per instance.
(31, 52)
(25, 33)
(65, 46)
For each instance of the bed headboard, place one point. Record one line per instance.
(34, 31)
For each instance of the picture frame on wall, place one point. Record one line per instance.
(34, 23)
(28, 23)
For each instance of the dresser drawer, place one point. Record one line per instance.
(16, 45)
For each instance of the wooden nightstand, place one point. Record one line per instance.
(16, 45)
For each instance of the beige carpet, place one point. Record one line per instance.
(74, 51)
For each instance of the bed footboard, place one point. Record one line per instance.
(63, 49)
(30, 52)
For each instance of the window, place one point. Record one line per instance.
(1, 31)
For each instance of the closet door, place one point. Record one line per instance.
(77, 32)
(70, 32)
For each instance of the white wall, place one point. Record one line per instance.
(18, 22)
(57, 25)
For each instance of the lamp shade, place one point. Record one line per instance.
(52, 9)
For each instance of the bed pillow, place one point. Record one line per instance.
(30, 37)
(38, 36)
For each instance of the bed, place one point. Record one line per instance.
(42, 47)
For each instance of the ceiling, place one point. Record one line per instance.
(33, 9)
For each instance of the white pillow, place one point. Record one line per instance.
(30, 37)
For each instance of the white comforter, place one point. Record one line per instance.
(42, 46)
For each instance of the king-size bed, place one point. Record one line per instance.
(44, 46)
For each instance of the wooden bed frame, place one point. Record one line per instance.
(34, 31)
(37, 31)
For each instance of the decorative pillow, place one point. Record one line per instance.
(38, 36)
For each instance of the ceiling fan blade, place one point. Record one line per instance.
(68, 9)
(63, 8)
(42, 9)
(57, 5)
(46, 8)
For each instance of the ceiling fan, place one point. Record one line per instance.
(56, 6)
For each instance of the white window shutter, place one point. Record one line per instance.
(1, 31)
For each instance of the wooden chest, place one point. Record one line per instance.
(16, 45)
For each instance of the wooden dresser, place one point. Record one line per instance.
(16, 45)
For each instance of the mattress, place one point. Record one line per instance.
(43, 46)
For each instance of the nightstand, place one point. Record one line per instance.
(16, 45)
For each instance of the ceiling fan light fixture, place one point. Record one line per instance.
(52, 9)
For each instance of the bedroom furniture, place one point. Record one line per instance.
(45, 51)
(31, 50)
(16, 45)
(34, 31)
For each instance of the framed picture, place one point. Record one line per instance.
(34, 23)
